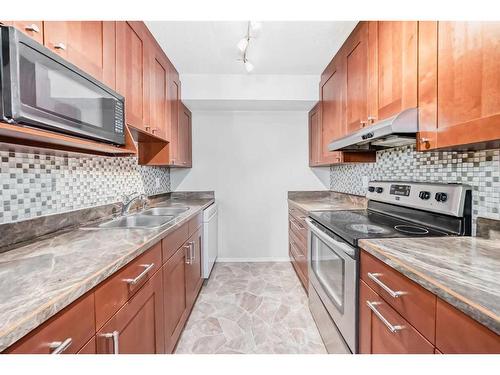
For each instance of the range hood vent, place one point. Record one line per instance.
(399, 130)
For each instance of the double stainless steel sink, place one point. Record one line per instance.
(150, 218)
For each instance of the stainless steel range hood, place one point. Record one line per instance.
(396, 131)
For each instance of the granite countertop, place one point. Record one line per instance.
(325, 201)
(39, 279)
(463, 271)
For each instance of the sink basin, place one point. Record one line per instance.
(165, 211)
(137, 221)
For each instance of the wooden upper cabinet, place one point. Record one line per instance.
(158, 66)
(356, 65)
(137, 328)
(459, 84)
(332, 94)
(33, 29)
(393, 68)
(184, 137)
(131, 71)
(90, 45)
(174, 101)
(314, 135)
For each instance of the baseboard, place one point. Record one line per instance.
(249, 260)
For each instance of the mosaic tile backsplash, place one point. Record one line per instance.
(480, 169)
(37, 184)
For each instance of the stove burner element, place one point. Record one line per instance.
(411, 229)
(368, 228)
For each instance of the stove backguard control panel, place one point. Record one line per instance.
(446, 199)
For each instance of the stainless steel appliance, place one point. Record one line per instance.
(40, 89)
(395, 209)
(395, 131)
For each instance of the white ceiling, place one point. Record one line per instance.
(291, 47)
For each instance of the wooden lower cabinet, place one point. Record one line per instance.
(375, 337)
(297, 244)
(137, 328)
(174, 294)
(194, 279)
(89, 347)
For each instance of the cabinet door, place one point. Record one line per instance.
(89, 347)
(393, 68)
(131, 72)
(33, 29)
(184, 137)
(332, 123)
(90, 45)
(174, 291)
(375, 337)
(194, 279)
(459, 83)
(173, 97)
(158, 65)
(314, 135)
(137, 328)
(356, 65)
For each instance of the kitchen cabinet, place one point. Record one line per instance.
(297, 244)
(137, 328)
(174, 292)
(89, 347)
(158, 66)
(174, 102)
(194, 280)
(90, 45)
(416, 321)
(459, 85)
(131, 72)
(392, 63)
(314, 136)
(66, 332)
(184, 137)
(357, 76)
(33, 29)
(383, 331)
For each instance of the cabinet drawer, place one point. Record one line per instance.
(298, 242)
(298, 214)
(173, 241)
(303, 279)
(300, 258)
(195, 223)
(416, 305)
(456, 333)
(74, 326)
(376, 336)
(112, 294)
(300, 229)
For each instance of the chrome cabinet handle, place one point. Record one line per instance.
(298, 227)
(147, 128)
(363, 123)
(376, 280)
(138, 278)
(188, 255)
(193, 254)
(371, 119)
(115, 335)
(32, 27)
(61, 46)
(60, 347)
(392, 328)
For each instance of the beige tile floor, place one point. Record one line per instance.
(251, 308)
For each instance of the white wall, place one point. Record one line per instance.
(251, 160)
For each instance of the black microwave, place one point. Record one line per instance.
(38, 88)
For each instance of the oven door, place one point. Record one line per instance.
(41, 89)
(332, 273)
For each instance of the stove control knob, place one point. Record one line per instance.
(424, 195)
(441, 197)
(371, 189)
(379, 190)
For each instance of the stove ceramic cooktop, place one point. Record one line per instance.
(354, 225)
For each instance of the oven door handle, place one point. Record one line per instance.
(346, 248)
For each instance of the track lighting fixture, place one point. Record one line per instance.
(252, 28)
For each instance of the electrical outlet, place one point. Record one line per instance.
(157, 182)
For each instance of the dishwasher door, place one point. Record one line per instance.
(210, 239)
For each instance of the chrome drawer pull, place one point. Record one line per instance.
(115, 335)
(32, 27)
(376, 280)
(60, 46)
(193, 255)
(392, 328)
(188, 255)
(138, 278)
(60, 347)
(298, 227)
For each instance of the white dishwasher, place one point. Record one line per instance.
(210, 242)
